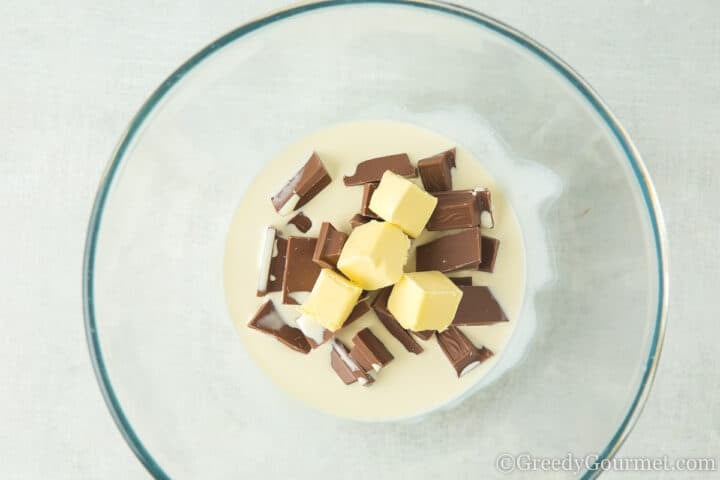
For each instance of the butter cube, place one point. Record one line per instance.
(424, 301)
(374, 255)
(331, 300)
(399, 201)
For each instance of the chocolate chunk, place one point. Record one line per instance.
(372, 170)
(489, 247)
(310, 180)
(485, 204)
(272, 263)
(358, 220)
(300, 270)
(461, 280)
(455, 209)
(361, 308)
(451, 252)
(315, 333)
(301, 222)
(478, 306)
(463, 355)
(346, 368)
(424, 334)
(268, 320)
(435, 171)
(402, 335)
(369, 352)
(462, 209)
(368, 190)
(329, 245)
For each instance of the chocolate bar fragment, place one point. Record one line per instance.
(310, 180)
(451, 252)
(455, 209)
(489, 247)
(345, 367)
(402, 335)
(315, 334)
(463, 355)
(329, 245)
(484, 200)
(361, 308)
(300, 270)
(478, 306)
(462, 209)
(461, 281)
(369, 352)
(268, 320)
(272, 262)
(368, 190)
(301, 222)
(424, 334)
(372, 170)
(358, 220)
(435, 171)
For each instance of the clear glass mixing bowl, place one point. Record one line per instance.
(176, 379)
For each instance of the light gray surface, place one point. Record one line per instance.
(71, 76)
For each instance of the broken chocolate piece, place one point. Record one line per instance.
(372, 170)
(489, 247)
(268, 320)
(435, 171)
(315, 333)
(346, 368)
(402, 335)
(360, 309)
(368, 190)
(272, 262)
(461, 280)
(485, 204)
(301, 222)
(424, 334)
(455, 209)
(369, 352)
(478, 306)
(310, 180)
(358, 220)
(451, 252)
(300, 270)
(463, 355)
(329, 245)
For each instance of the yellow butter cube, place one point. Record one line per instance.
(374, 255)
(331, 300)
(424, 301)
(399, 201)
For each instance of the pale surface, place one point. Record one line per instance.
(654, 62)
(401, 389)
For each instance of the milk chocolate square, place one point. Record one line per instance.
(459, 350)
(369, 352)
(451, 252)
(329, 245)
(372, 170)
(310, 180)
(300, 270)
(268, 320)
(402, 335)
(435, 171)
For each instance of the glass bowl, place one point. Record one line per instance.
(178, 382)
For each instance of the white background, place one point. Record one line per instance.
(72, 75)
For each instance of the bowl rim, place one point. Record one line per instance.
(553, 61)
